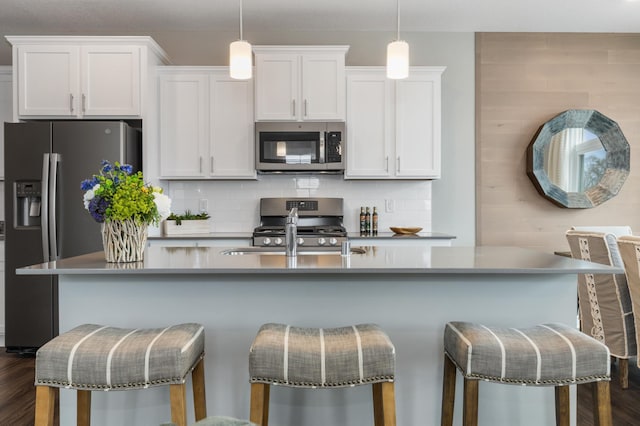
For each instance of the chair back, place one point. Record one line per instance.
(605, 303)
(618, 231)
(630, 251)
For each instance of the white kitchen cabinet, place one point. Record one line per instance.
(295, 83)
(393, 126)
(206, 124)
(6, 108)
(81, 77)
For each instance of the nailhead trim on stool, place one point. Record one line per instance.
(322, 358)
(542, 355)
(94, 357)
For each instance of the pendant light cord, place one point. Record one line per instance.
(241, 20)
(398, 17)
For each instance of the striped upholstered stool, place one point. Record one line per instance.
(94, 357)
(323, 358)
(542, 355)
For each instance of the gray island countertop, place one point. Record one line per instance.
(391, 260)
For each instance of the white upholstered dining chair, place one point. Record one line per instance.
(605, 303)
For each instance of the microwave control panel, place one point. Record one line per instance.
(334, 147)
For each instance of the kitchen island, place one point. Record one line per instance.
(410, 292)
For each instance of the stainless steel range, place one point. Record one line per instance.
(319, 222)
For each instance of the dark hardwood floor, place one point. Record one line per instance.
(17, 394)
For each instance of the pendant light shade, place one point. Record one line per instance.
(240, 59)
(398, 59)
(240, 65)
(398, 54)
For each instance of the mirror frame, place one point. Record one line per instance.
(615, 146)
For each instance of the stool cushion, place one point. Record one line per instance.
(317, 357)
(96, 357)
(546, 354)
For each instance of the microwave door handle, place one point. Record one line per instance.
(53, 225)
(44, 213)
(321, 160)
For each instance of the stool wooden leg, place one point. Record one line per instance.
(83, 408)
(470, 413)
(601, 403)
(384, 404)
(259, 404)
(45, 401)
(199, 394)
(178, 395)
(623, 366)
(448, 392)
(562, 405)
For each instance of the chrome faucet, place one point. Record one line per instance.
(291, 233)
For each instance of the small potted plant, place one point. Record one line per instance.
(187, 223)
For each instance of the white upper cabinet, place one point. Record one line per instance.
(6, 109)
(393, 126)
(206, 124)
(296, 83)
(78, 77)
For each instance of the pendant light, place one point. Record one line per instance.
(240, 60)
(398, 54)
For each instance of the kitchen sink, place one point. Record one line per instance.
(301, 251)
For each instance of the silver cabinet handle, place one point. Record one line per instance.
(398, 165)
(293, 111)
(71, 102)
(84, 103)
(305, 107)
(200, 164)
(386, 167)
(211, 161)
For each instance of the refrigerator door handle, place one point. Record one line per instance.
(53, 225)
(44, 216)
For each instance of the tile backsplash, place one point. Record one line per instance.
(234, 205)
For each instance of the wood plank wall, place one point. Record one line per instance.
(523, 80)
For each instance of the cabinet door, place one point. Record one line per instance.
(369, 125)
(323, 87)
(6, 109)
(48, 80)
(232, 149)
(184, 125)
(110, 81)
(277, 87)
(418, 126)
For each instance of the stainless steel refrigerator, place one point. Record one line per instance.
(45, 162)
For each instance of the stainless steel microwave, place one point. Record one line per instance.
(300, 147)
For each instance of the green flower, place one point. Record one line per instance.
(118, 194)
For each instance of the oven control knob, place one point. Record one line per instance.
(333, 241)
(300, 241)
(321, 241)
(266, 241)
(278, 241)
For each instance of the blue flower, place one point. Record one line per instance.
(97, 208)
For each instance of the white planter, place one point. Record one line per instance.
(186, 227)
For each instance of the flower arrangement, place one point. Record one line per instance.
(124, 205)
(118, 194)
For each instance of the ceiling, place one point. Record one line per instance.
(142, 17)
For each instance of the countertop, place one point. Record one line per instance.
(351, 235)
(375, 260)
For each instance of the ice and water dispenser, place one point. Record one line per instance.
(28, 198)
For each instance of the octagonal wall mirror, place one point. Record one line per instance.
(578, 159)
